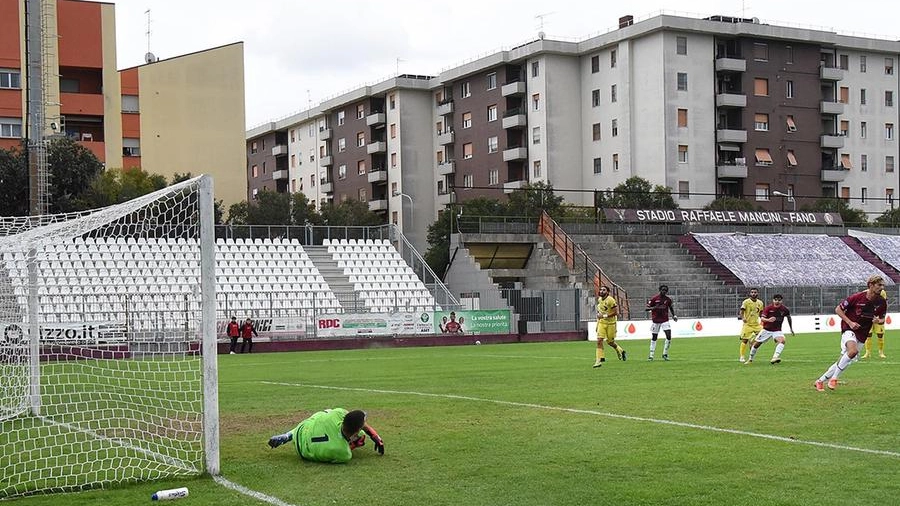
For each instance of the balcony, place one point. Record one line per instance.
(376, 147)
(326, 187)
(834, 174)
(280, 150)
(448, 167)
(445, 137)
(378, 205)
(326, 161)
(444, 108)
(376, 118)
(834, 141)
(445, 198)
(731, 64)
(731, 100)
(81, 104)
(827, 107)
(731, 135)
(732, 170)
(325, 133)
(514, 118)
(511, 89)
(831, 73)
(517, 153)
(280, 174)
(511, 186)
(378, 176)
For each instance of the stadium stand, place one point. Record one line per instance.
(886, 248)
(789, 259)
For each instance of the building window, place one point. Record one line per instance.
(845, 193)
(682, 118)
(342, 145)
(254, 171)
(615, 161)
(681, 45)
(845, 161)
(467, 150)
(536, 102)
(760, 51)
(595, 64)
(130, 103)
(293, 135)
(791, 125)
(863, 163)
(789, 89)
(536, 135)
(862, 96)
(393, 159)
(312, 180)
(439, 156)
(682, 81)
(845, 128)
(595, 98)
(361, 167)
(862, 64)
(889, 163)
(889, 66)
(492, 113)
(536, 171)
(492, 144)
(598, 165)
(889, 98)
(360, 139)
(612, 59)
(863, 195)
(394, 217)
(862, 129)
(393, 129)
(762, 192)
(492, 80)
(763, 157)
(761, 87)
(467, 120)
(889, 131)
(362, 194)
(264, 167)
(844, 95)
(360, 111)
(889, 195)
(321, 152)
(312, 154)
(392, 101)
(10, 78)
(761, 122)
(293, 186)
(791, 158)
(293, 161)
(340, 118)
(468, 180)
(682, 153)
(684, 190)
(254, 148)
(342, 171)
(612, 94)
(493, 177)
(789, 54)
(615, 127)
(535, 68)
(11, 128)
(465, 90)
(596, 129)
(844, 62)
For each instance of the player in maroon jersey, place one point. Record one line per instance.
(772, 317)
(660, 305)
(857, 312)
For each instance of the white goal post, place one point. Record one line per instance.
(108, 344)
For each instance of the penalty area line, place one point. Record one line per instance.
(259, 496)
(659, 421)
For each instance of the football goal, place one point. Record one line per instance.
(108, 344)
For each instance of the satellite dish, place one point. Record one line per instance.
(149, 57)
(541, 35)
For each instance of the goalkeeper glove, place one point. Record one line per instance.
(357, 442)
(376, 439)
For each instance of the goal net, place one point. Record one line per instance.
(107, 344)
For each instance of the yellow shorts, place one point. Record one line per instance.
(606, 331)
(750, 331)
(877, 328)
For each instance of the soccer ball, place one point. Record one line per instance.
(477, 342)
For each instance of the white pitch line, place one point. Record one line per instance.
(598, 413)
(259, 496)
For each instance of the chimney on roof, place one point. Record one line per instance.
(626, 21)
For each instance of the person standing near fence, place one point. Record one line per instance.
(749, 313)
(234, 331)
(660, 305)
(877, 330)
(607, 315)
(247, 333)
(857, 313)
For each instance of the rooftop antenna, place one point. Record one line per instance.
(149, 57)
(540, 18)
(398, 65)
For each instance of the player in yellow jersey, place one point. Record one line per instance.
(877, 330)
(749, 313)
(607, 314)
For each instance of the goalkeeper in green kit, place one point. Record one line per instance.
(330, 436)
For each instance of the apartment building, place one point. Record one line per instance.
(177, 115)
(709, 107)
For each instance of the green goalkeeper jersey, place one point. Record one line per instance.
(319, 437)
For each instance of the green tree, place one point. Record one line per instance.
(304, 211)
(239, 213)
(532, 199)
(730, 204)
(73, 168)
(350, 213)
(270, 208)
(850, 216)
(14, 182)
(114, 186)
(638, 193)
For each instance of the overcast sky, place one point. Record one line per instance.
(298, 53)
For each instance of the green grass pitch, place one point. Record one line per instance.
(534, 424)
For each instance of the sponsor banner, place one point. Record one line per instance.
(373, 324)
(486, 321)
(278, 328)
(709, 327)
(727, 217)
(65, 334)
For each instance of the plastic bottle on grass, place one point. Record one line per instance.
(166, 495)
